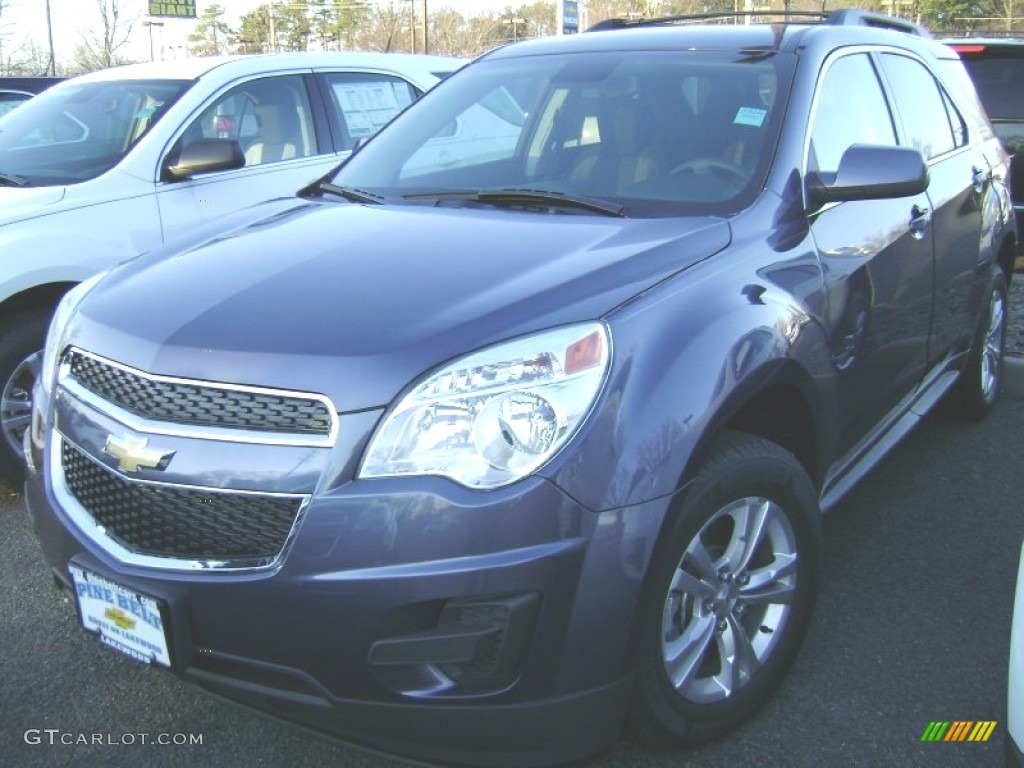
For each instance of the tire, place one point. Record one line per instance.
(977, 387)
(704, 598)
(20, 359)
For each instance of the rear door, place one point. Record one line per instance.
(361, 103)
(959, 182)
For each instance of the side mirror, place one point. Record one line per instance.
(205, 156)
(870, 172)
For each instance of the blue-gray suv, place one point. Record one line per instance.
(527, 414)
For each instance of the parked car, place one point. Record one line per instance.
(15, 91)
(1015, 690)
(460, 455)
(117, 162)
(996, 65)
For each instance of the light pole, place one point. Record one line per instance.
(150, 23)
(426, 46)
(51, 65)
(412, 25)
(515, 21)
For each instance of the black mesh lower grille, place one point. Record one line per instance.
(201, 404)
(181, 523)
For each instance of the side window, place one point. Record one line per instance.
(956, 122)
(920, 103)
(365, 102)
(271, 118)
(851, 110)
(9, 101)
(485, 132)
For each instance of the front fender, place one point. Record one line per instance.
(687, 358)
(72, 245)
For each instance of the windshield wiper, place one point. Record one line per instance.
(12, 180)
(350, 193)
(526, 197)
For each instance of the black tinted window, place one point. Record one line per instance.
(998, 77)
(920, 104)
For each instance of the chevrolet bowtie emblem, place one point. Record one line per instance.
(132, 455)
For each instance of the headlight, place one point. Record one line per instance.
(495, 416)
(58, 324)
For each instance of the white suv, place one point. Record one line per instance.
(115, 163)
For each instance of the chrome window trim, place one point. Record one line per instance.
(97, 533)
(173, 429)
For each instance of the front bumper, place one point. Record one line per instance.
(413, 617)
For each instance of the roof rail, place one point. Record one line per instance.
(696, 18)
(841, 17)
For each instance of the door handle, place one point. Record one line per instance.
(919, 218)
(979, 177)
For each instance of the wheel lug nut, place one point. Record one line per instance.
(743, 579)
(721, 625)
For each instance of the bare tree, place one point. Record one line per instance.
(383, 30)
(98, 48)
(999, 14)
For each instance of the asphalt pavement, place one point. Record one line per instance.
(912, 626)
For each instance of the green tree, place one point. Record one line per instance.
(335, 22)
(293, 26)
(254, 30)
(212, 36)
(944, 15)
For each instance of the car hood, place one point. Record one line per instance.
(22, 202)
(355, 301)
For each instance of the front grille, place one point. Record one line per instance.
(182, 523)
(200, 403)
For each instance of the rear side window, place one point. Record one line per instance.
(956, 122)
(922, 106)
(365, 102)
(9, 101)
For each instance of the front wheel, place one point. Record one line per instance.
(20, 360)
(730, 591)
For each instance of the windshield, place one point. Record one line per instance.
(76, 132)
(657, 132)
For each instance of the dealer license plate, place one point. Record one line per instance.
(124, 619)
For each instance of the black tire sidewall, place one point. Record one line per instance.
(26, 336)
(763, 469)
(966, 401)
(978, 353)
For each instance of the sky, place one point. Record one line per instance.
(24, 20)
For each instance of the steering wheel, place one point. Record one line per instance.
(711, 165)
